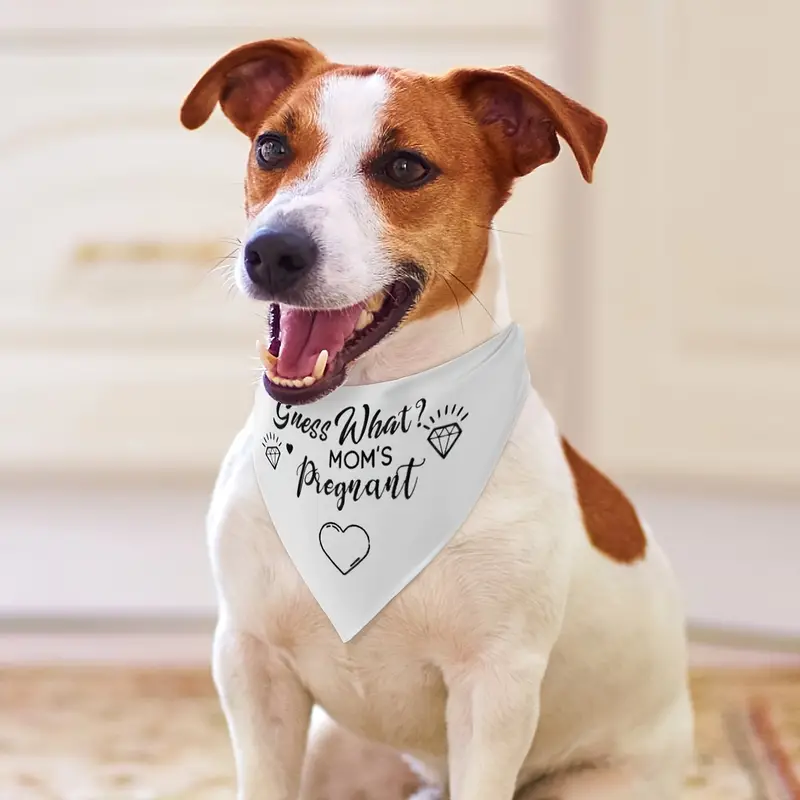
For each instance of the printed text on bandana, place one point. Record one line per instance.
(360, 439)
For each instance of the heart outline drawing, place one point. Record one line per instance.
(358, 541)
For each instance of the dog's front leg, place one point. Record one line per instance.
(268, 713)
(492, 713)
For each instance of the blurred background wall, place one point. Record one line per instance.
(661, 304)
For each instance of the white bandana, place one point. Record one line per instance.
(366, 485)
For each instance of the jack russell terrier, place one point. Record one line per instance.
(399, 535)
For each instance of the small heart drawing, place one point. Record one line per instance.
(345, 548)
(289, 447)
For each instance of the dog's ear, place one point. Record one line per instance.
(522, 118)
(248, 80)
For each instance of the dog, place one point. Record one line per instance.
(542, 653)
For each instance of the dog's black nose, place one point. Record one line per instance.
(275, 260)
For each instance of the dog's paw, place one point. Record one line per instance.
(342, 766)
(429, 793)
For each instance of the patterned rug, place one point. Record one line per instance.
(748, 735)
(123, 734)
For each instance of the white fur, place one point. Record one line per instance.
(332, 202)
(521, 657)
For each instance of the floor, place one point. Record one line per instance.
(118, 733)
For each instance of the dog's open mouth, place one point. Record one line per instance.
(310, 350)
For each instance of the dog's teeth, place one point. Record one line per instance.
(295, 382)
(375, 302)
(319, 367)
(364, 319)
(267, 359)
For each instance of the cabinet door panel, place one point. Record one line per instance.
(696, 318)
(256, 19)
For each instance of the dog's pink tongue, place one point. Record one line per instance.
(305, 334)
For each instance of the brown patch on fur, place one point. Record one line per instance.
(521, 116)
(295, 118)
(249, 80)
(481, 129)
(342, 766)
(265, 86)
(442, 226)
(610, 519)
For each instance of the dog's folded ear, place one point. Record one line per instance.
(523, 116)
(248, 80)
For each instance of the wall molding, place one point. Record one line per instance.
(191, 626)
(82, 558)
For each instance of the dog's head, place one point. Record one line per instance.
(370, 191)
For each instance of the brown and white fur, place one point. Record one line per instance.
(542, 653)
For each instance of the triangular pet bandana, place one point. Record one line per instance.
(366, 485)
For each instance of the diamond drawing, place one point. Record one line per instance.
(443, 437)
(273, 455)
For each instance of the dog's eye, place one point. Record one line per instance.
(405, 170)
(272, 151)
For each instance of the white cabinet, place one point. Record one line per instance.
(118, 347)
(695, 335)
(694, 313)
(252, 19)
(120, 350)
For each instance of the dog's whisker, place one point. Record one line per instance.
(477, 299)
(221, 262)
(223, 271)
(502, 230)
(455, 297)
(228, 279)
